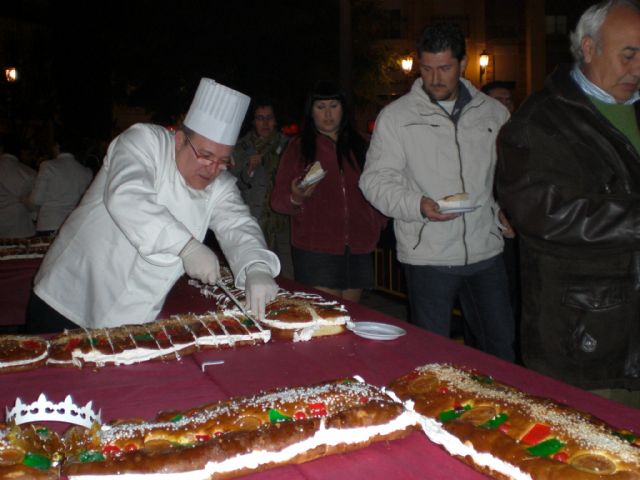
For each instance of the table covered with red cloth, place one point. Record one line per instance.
(144, 389)
(16, 278)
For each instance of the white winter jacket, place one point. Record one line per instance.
(59, 185)
(116, 257)
(416, 150)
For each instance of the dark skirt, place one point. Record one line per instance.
(338, 272)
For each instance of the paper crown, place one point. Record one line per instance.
(217, 112)
(45, 410)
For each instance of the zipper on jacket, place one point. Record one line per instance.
(346, 208)
(464, 189)
(465, 109)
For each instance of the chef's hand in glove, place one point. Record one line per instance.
(200, 262)
(260, 289)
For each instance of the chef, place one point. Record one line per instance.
(141, 224)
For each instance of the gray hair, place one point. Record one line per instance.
(590, 23)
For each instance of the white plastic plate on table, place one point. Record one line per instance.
(470, 208)
(377, 331)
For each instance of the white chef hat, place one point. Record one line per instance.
(217, 112)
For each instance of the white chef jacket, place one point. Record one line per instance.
(116, 257)
(16, 182)
(59, 185)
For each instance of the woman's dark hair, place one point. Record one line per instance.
(348, 139)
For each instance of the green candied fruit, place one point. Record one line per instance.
(629, 437)
(347, 381)
(91, 456)
(35, 460)
(275, 416)
(43, 432)
(452, 414)
(482, 379)
(247, 322)
(496, 421)
(143, 337)
(177, 418)
(546, 448)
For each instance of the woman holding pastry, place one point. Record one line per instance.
(334, 229)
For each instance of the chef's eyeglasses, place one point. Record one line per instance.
(209, 157)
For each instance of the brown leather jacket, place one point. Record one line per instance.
(570, 182)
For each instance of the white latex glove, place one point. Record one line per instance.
(259, 289)
(200, 262)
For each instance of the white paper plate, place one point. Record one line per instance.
(377, 331)
(470, 208)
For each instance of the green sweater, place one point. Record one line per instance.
(623, 117)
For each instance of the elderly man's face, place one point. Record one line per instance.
(613, 62)
(200, 160)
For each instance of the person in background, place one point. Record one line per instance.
(569, 176)
(16, 183)
(141, 224)
(435, 141)
(501, 91)
(60, 184)
(256, 158)
(334, 230)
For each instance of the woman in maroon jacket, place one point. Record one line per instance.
(334, 229)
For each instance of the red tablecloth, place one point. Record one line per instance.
(16, 277)
(142, 390)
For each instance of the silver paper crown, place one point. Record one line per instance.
(45, 410)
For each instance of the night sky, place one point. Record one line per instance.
(153, 53)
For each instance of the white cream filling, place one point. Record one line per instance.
(17, 363)
(324, 436)
(136, 355)
(314, 322)
(304, 334)
(452, 444)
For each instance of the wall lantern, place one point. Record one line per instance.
(484, 62)
(11, 74)
(407, 64)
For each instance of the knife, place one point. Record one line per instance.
(235, 300)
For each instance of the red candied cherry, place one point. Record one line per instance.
(561, 457)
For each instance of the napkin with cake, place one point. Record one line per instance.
(313, 175)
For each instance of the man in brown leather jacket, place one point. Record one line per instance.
(569, 177)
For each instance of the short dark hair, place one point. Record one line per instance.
(509, 85)
(441, 37)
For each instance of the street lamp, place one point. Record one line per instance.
(484, 62)
(11, 74)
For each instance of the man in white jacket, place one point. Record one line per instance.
(60, 184)
(16, 182)
(141, 224)
(436, 141)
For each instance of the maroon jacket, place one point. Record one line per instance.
(337, 214)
